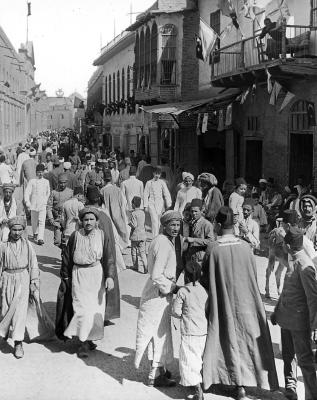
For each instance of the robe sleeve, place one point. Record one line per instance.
(27, 193)
(166, 195)
(177, 201)
(33, 267)
(309, 282)
(177, 309)
(50, 208)
(67, 258)
(161, 258)
(108, 259)
(146, 194)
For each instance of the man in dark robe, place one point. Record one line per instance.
(238, 349)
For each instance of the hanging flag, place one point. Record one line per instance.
(260, 3)
(288, 98)
(310, 107)
(205, 123)
(244, 96)
(221, 126)
(275, 92)
(29, 9)
(198, 131)
(205, 41)
(269, 81)
(277, 10)
(247, 9)
(226, 31)
(229, 115)
(226, 7)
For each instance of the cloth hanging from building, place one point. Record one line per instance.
(244, 96)
(275, 92)
(229, 115)
(247, 9)
(269, 82)
(221, 126)
(226, 7)
(288, 98)
(204, 126)
(276, 10)
(205, 41)
(311, 113)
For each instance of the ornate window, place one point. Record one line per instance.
(137, 60)
(142, 54)
(168, 58)
(147, 57)
(154, 37)
(118, 86)
(114, 87)
(123, 83)
(109, 88)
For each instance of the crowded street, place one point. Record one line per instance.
(53, 371)
(158, 200)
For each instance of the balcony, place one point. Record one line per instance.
(291, 52)
(156, 93)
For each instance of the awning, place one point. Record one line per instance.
(179, 108)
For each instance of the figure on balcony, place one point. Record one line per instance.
(274, 45)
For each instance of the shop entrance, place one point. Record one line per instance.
(253, 161)
(301, 157)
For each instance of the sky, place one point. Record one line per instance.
(67, 35)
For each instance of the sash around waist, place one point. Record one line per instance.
(15, 270)
(94, 264)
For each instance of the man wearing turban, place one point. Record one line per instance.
(211, 195)
(187, 193)
(154, 320)
(308, 222)
(19, 276)
(8, 209)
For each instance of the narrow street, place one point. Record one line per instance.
(52, 370)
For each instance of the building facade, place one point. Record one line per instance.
(274, 123)
(17, 91)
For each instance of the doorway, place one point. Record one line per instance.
(301, 158)
(253, 161)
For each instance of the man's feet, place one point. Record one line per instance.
(18, 350)
(83, 350)
(35, 237)
(291, 394)
(198, 393)
(40, 242)
(161, 381)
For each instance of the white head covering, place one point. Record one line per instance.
(32, 152)
(188, 175)
(67, 165)
(263, 181)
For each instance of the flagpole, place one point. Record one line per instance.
(27, 22)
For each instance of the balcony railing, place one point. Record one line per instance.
(286, 42)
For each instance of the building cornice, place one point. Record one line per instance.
(114, 47)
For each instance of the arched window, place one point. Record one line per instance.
(106, 90)
(123, 84)
(300, 117)
(137, 60)
(128, 81)
(114, 87)
(118, 86)
(142, 81)
(154, 37)
(109, 88)
(168, 57)
(147, 57)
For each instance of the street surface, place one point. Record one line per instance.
(52, 370)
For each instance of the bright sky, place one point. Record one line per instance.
(66, 35)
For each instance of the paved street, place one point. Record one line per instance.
(52, 371)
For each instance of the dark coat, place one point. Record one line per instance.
(64, 306)
(238, 348)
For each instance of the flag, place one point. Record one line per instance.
(310, 107)
(226, 7)
(244, 96)
(198, 131)
(205, 41)
(205, 123)
(247, 9)
(275, 92)
(226, 31)
(277, 10)
(288, 98)
(221, 126)
(77, 102)
(229, 115)
(269, 82)
(29, 9)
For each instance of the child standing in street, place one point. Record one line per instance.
(190, 306)
(138, 236)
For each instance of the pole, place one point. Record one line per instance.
(130, 12)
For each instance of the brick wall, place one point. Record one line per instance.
(190, 67)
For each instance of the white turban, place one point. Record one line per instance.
(67, 165)
(262, 180)
(32, 152)
(187, 175)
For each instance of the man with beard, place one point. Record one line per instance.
(308, 222)
(8, 209)
(211, 195)
(187, 193)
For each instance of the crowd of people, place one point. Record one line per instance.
(195, 242)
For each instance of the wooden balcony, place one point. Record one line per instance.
(292, 54)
